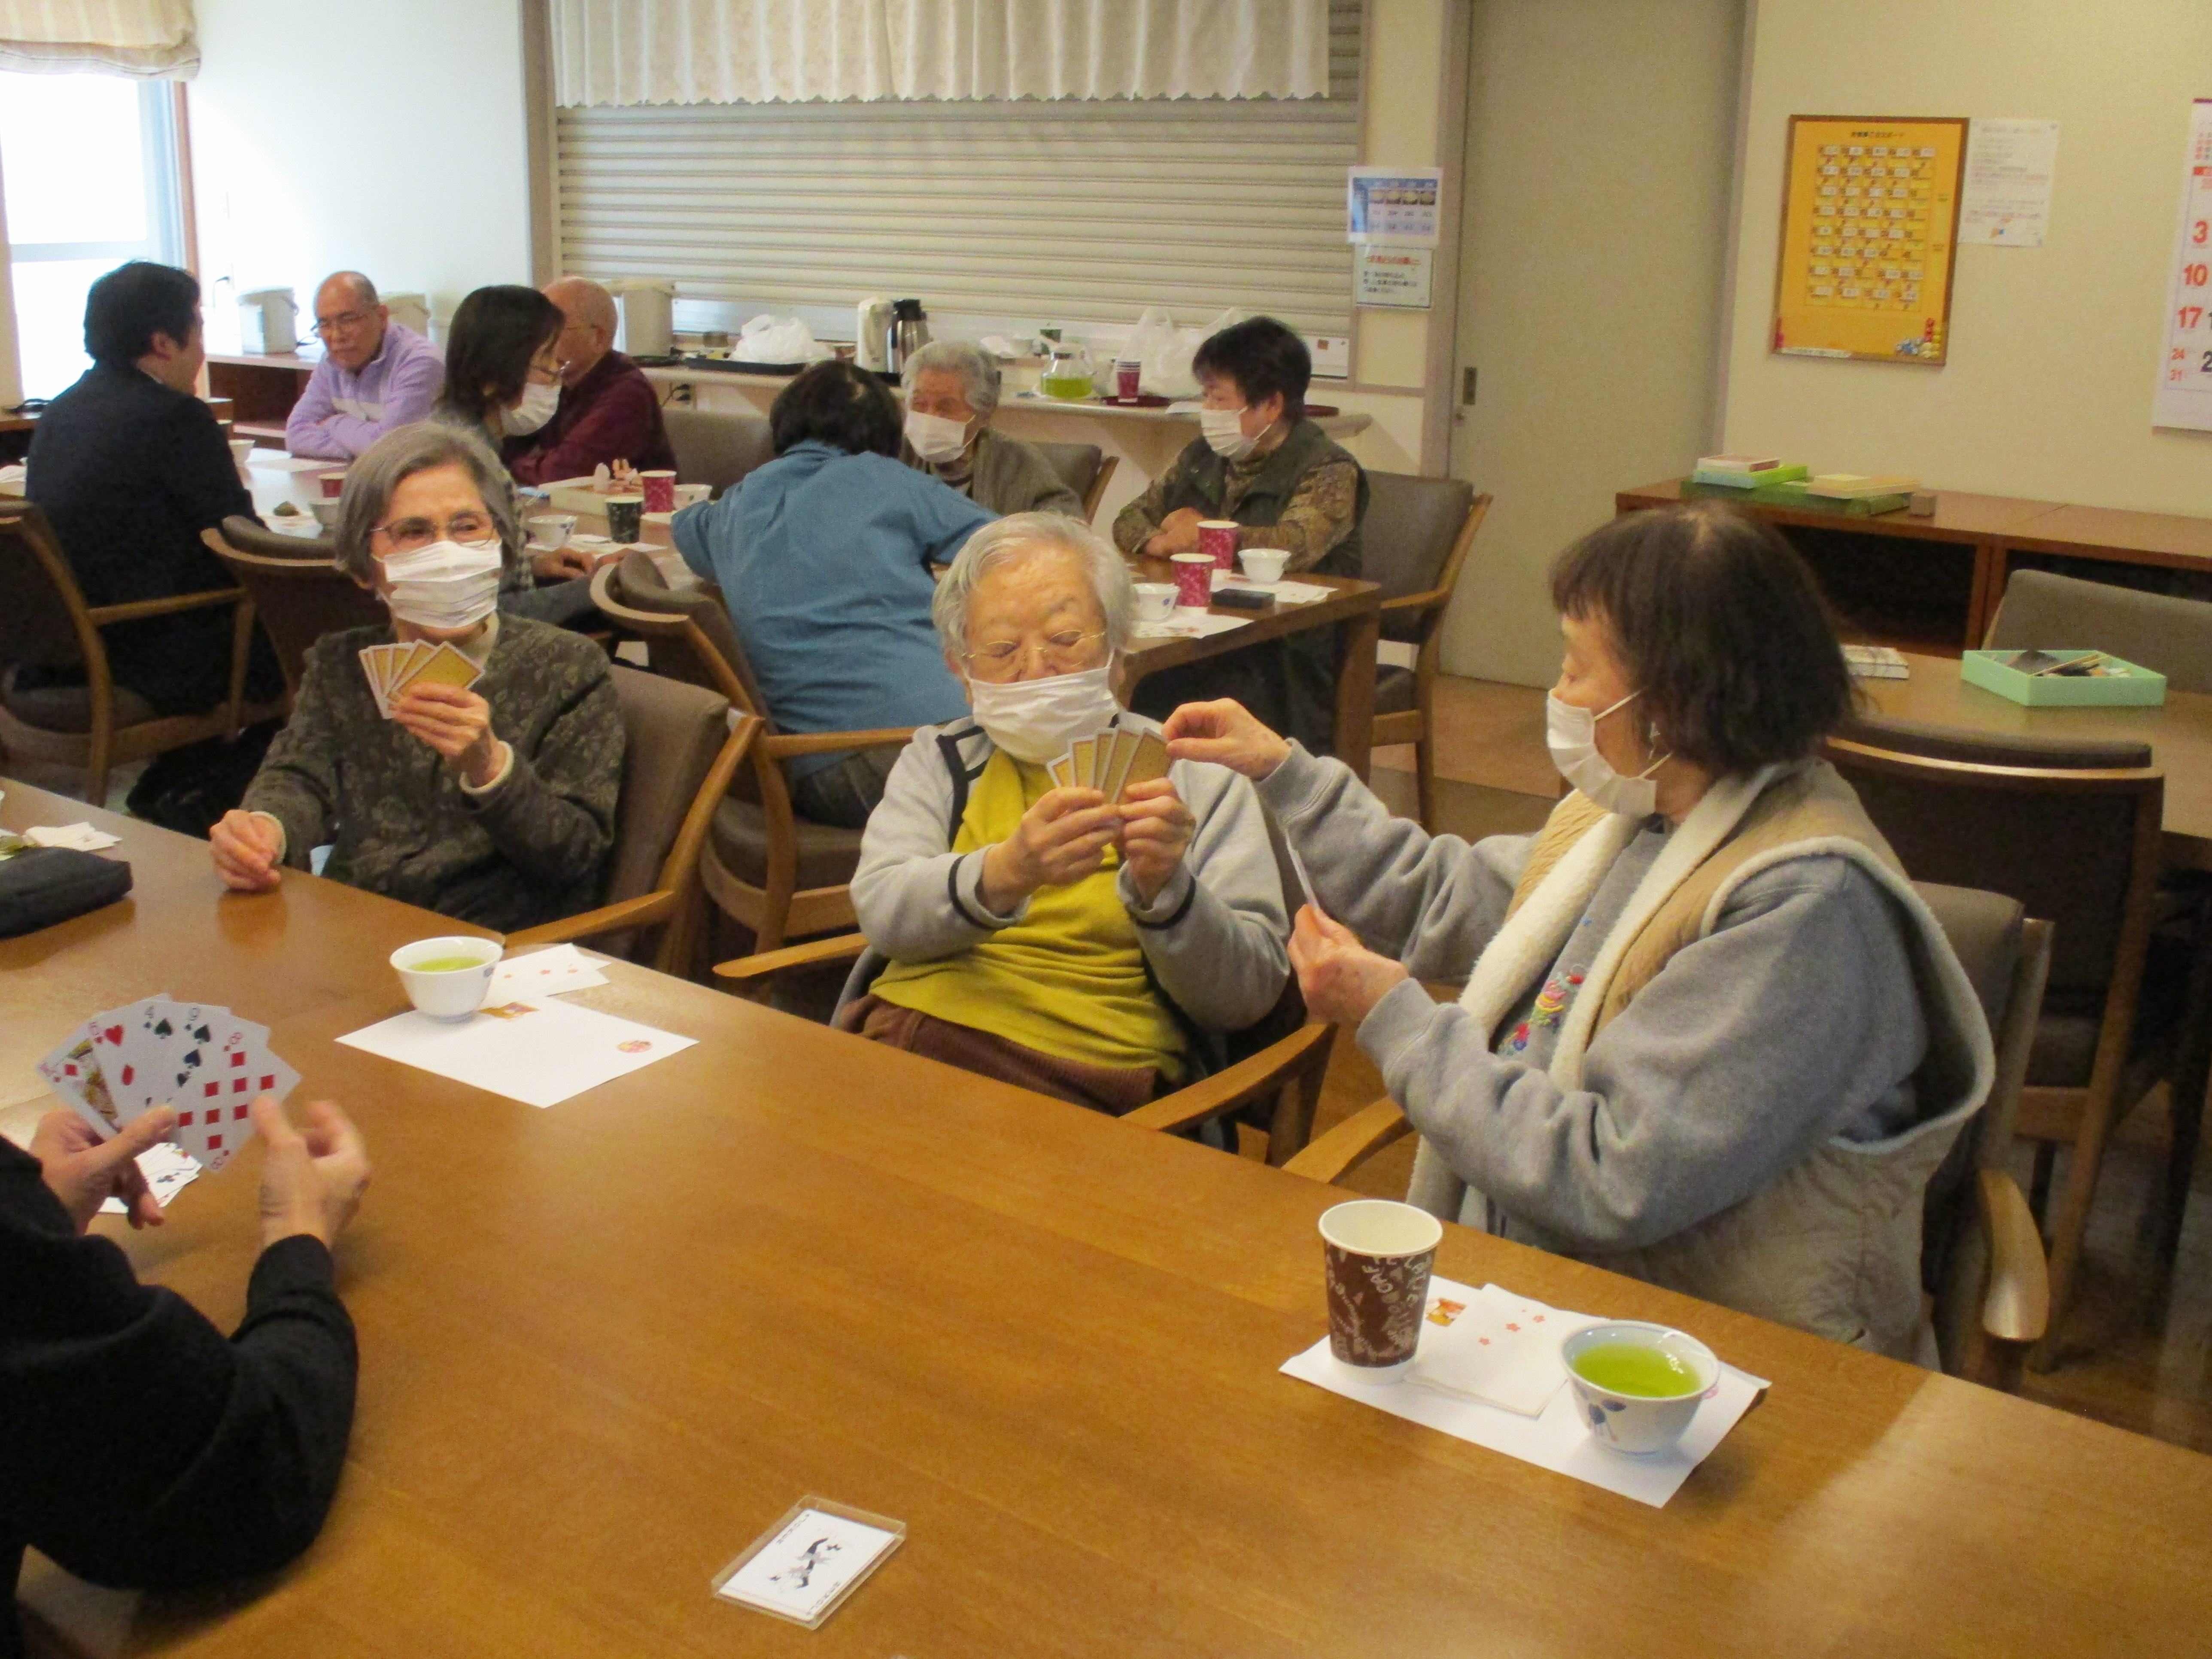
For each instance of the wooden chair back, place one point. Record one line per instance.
(47, 623)
(714, 447)
(1078, 465)
(1413, 541)
(252, 536)
(297, 599)
(2170, 636)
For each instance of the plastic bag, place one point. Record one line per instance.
(1165, 350)
(768, 339)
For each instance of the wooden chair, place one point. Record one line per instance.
(2172, 637)
(298, 600)
(252, 536)
(99, 725)
(1414, 541)
(1981, 1259)
(765, 866)
(2070, 828)
(681, 750)
(1083, 468)
(713, 447)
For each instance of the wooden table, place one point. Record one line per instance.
(1355, 604)
(2180, 734)
(604, 1345)
(1949, 570)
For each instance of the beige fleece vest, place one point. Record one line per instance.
(1832, 1246)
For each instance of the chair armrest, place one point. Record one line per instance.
(1351, 1143)
(785, 744)
(138, 609)
(642, 911)
(1226, 1091)
(763, 964)
(1435, 596)
(2017, 1308)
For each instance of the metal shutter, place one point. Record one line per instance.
(997, 216)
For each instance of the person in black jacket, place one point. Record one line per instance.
(137, 1448)
(131, 467)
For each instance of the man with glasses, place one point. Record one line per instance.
(375, 376)
(608, 411)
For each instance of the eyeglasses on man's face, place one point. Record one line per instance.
(412, 535)
(344, 323)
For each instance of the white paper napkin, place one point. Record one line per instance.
(532, 1049)
(83, 837)
(545, 973)
(1497, 1347)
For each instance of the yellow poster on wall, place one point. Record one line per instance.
(1869, 228)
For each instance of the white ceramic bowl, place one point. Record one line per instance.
(1264, 564)
(551, 530)
(1640, 1425)
(454, 993)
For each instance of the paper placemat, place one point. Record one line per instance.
(535, 1050)
(1556, 1438)
(1194, 627)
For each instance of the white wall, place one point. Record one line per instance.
(1601, 138)
(11, 385)
(2054, 350)
(387, 138)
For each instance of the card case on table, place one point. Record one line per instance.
(882, 1523)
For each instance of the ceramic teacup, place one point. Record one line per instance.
(550, 531)
(1650, 1381)
(1264, 564)
(1156, 601)
(446, 978)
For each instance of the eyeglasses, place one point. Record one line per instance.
(412, 535)
(1064, 652)
(339, 324)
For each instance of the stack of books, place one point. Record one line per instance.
(1745, 471)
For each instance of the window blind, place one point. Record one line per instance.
(996, 215)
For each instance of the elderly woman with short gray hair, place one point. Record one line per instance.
(952, 392)
(1038, 932)
(485, 789)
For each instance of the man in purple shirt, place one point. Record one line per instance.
(375, 376)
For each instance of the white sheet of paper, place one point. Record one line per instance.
(537, 1051)
(1185, 625)
(169, 1171)
(275, 460)
(81, 836)
(1500, 1348)
(1285, 591)
(545, 973)
(2005, 198)
(805, 1567)
(1556, 1440)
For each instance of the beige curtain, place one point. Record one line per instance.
(759, 52)
(147, 38)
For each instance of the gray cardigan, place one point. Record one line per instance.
(1214, 936)
(1008, 475)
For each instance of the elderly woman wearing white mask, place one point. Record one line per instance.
(952, 391)
(491, 802)
(1040, 934)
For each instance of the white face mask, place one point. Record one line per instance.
(1571, 733)
(1224, 433)
(1034, 721)
(936, 438)
(447, 584)
(536, 407)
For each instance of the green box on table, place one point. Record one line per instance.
(2132, 687)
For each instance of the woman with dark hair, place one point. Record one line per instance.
(1257, 460)
(1710, 1035)
(503, 380)
(823, 558)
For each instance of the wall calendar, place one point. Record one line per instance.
(1869, 231)
(2183, 398)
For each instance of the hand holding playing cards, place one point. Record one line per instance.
(247, 851)
(85, 1171)
(312, 1179)
(1157, 829)
(1061, 839)
(457, 723)
(1340, 978)
(1225, 734)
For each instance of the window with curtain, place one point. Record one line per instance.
(1000, 213)
(88, 163)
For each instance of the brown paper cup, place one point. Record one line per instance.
(1377, 1256)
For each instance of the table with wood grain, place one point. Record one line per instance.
(604, 1345)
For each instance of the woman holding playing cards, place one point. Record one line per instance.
(461, 759)
(1088, 937)
(1710, 1035)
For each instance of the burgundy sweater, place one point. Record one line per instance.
(611, 415)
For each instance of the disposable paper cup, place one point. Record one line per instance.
(659, 491)
(1156, 601)
(1193, 580)
(1639, 1425)
(1129, 379)
(326, 514)
(333, 484)
(1217, 539)
(454, 993)
(1377, 1256)
(624, 515)
(551, 530)
(1264, 564)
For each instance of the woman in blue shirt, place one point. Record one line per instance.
(823, 558)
